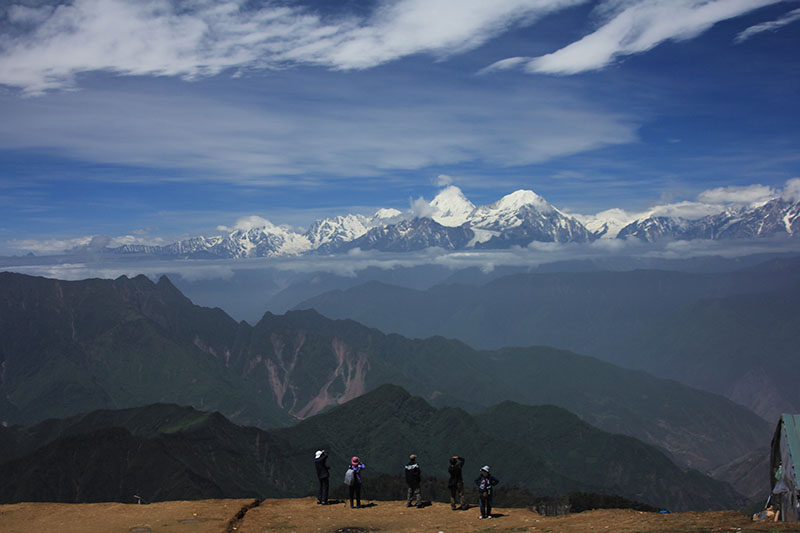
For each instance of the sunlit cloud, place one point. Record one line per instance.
(51, 45)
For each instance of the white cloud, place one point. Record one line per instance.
(738, 195)
(84, 243)
(357, 260)
(48, 246)
(772, 25)
(686, 209)
(634, 26)
(422, 208)
(371, 128)
(443, 180)
(251, 222)
(791, 190)
(505, 64)
(714, 201)
(194, 39)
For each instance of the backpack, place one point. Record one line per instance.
(348, 476)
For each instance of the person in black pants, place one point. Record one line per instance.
(355, 487)
(320, 459)
(486, 482)
(456, 482)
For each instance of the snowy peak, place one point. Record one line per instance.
(517, 219)
(385, 214)
(264, 241)
(519, 199)
(452, 207)
(335, 230)
(511, 210)
(606, 224)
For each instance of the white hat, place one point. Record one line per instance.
(318, 454)
(486, 468)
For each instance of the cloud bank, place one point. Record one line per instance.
(369, 130)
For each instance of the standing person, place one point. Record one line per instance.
(456, 482)
(413, 480)
(320, 459)
(485, 481)
(355, 487)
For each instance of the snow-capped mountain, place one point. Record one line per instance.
(413, 235)
(452, 207)
(265, 241)
(523, 217)
(652, 229)
(332, 232)
(777, 217)
(606, 224)
(455, 223)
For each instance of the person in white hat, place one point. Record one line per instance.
(320, 458)
(485, 482)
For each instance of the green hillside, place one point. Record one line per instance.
(162, 452)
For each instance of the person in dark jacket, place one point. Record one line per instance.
(485, 482)
(456, 482)
(320, 459)
(413, 480)
(355, 487)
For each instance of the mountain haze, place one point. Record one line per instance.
(77, 346)
(716, 331)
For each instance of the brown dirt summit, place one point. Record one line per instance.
(304, 515)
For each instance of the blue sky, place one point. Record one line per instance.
(156, 120)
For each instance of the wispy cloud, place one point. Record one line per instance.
(772, 25)
(48, 46)
(364, 131)
(630, 27)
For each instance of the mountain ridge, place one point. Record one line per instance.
(451, 222)
(127, 342)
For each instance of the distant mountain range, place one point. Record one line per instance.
(733, 333)
(166, 452)
(71, 347)
(451, 222)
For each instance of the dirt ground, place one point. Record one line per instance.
(304, 515)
